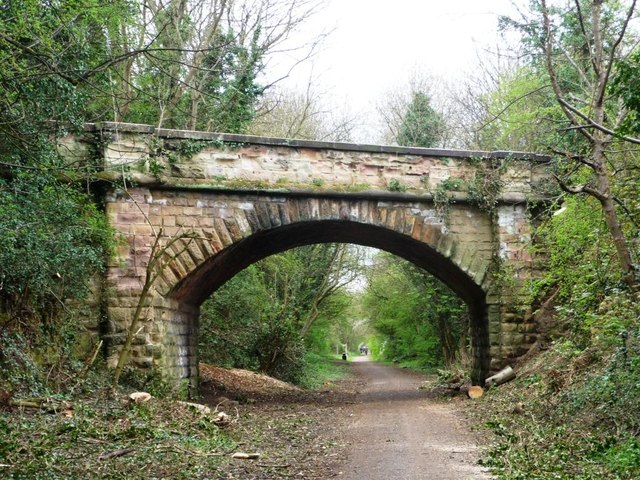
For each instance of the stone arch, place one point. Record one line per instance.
(202, 281)
(464, 240)
(235, 230)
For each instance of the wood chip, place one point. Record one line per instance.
(222, 419)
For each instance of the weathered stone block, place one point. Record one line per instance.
(512, 339)
(222, 232)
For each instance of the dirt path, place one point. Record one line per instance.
(373, 425)
(398, 432)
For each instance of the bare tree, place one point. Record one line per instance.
(603, 37)
(484, 101)
(572, 48)
(306, 115)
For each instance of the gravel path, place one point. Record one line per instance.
(397, 432)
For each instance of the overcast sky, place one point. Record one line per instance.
(376, 44)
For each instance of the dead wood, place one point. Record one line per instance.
(116, 453)
(47, 404)
(503, 376)
(245, 456)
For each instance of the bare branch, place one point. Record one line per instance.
(578, 190)
(553, 76)
(597, 126)
(604, 77)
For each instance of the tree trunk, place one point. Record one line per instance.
(611, 217)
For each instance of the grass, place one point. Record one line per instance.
(323, 368)
(415, 364)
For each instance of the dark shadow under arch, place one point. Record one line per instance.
(213, 273)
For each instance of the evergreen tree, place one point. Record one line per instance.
(421, 126)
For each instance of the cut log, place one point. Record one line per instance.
(246, 456)
(49, 405)
(475, 392)
(139, 397)
(503, 376)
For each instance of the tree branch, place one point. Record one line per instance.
(597, 126)
(510, 104)
(606, 74)
(578, 190)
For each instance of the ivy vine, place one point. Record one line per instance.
(486, 185)
(442, 197)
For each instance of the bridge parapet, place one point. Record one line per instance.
(192, 159)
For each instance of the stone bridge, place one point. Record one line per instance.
(221, 202)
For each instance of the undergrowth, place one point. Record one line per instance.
(79, 424)
(571, 414)
(157, 439)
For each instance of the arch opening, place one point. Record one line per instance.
(200, 284)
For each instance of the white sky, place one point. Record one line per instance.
(377, 44)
